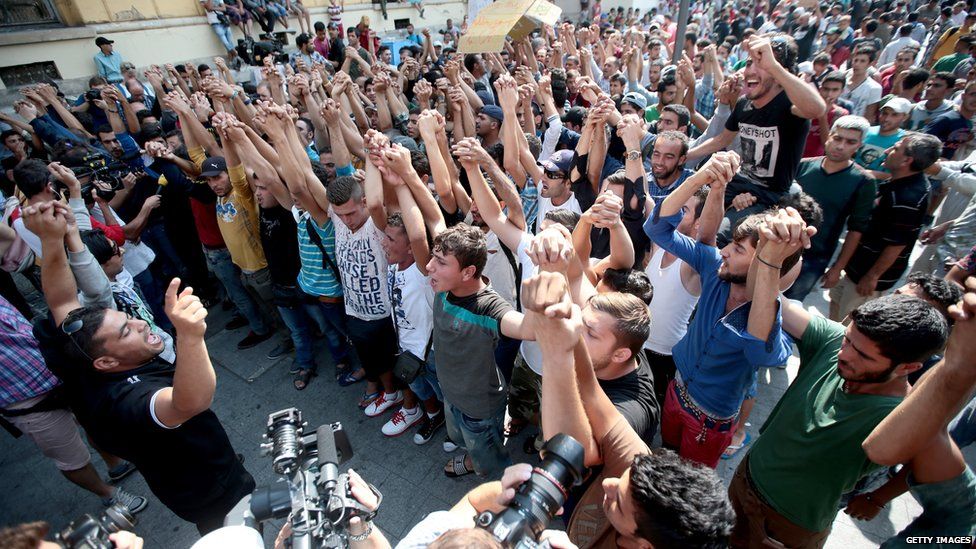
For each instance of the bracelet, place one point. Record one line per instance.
(235, 94)
(364, 535)
(768, 264)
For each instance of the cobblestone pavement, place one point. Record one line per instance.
(249, 386)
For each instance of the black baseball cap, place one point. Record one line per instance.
(101, 41)
(576, 115)
(213, 166)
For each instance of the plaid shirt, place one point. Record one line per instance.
(23, 374)
(705, 96)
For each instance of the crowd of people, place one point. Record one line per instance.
(574, 235)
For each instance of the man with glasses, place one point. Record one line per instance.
(130, 401)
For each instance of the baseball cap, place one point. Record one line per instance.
(560, 161)
(332, 25)
(898, 104)
(406, 142)
(213, 166)
(101, 41)
(438, 44)
(493, 111)
(799, 12)
(576, 115)
(636, 100)
(833, 30)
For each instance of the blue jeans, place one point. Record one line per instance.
(225, 35)
(299, 321)
(482, 438)
(810, 274)
(426, 384)
(331, 319)
(230, 276)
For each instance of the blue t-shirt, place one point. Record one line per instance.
(953, 130)
(871, 155)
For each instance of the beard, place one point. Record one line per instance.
(732, 278)
(879, 377)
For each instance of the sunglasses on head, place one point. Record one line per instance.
(72, 325)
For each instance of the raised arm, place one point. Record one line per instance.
(469, 152)
(429, 124)
(783, 234)
(49, 221)
(806, 100)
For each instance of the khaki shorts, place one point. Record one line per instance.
(56, 433)
(845, 297)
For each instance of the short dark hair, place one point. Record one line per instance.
(420, 163)
(672, 135)
(319, 26)
(872, 25)
(98, 244)
(905, 30)
(466, 243)
(702, 195)
(821, 57)
(302, 39)
(632, 320)
(31, 177)
(915, 77)
(27, 535)
(629, 281)
(937, 289)
(835, 76)
(97, 81)
(344, 189)
(382, 49)
(91, 320)
(681, 111)
(679, 503)
(905, 328)
(203, 67)
(923, 148)
(947, 77)
(565, 217)
(9, 133)
(865, 49)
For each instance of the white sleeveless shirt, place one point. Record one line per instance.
(671, 306)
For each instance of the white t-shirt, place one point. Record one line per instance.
(545, 205)
(413, 308)
(138, 256)
(212, 18)
(863, 95)
(531, 351)
(362, 262)
(498, 270)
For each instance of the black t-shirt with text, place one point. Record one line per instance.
(189, 468)
(771, 141)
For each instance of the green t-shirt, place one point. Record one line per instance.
(949, 62)
(651, 114)
(809, 451)
(848, 194)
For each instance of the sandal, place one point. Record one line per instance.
(341, 370)
(734, 449)
(350, 378)
(368, 399)
(458, 467)
(302, 379)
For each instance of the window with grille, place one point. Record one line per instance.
(19, 14)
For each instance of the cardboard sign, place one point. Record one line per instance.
(515, 18)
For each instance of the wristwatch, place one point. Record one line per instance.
(633, 155)
(365, 535)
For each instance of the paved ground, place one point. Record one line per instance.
(249, 387)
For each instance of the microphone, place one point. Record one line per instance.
(162, 184)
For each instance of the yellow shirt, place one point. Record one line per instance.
(237, 217)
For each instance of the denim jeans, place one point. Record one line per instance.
(258, 284)
(225, 35)
(482, 438)
(810, 274)
(426, 384)
(167, 263)
(230, 276)
(299, 322)
(331, 319)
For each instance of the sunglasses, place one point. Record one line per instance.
(72, 325)
(555, 175)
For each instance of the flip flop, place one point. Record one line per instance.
(350, 378)
(302, 379)
(734, 449)
(368, 399)
(458, 468)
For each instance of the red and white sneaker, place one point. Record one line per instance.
(383, 403)
(401, 421)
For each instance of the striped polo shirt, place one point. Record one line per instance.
(315, 278)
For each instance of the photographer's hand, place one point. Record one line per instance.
(357, 527)
(125, 540)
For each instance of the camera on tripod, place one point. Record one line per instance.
(538, 499)
(88, 532)
(312, 493)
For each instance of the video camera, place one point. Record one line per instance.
(96, 167)
(88, 532)
(313, 493)
(538, 499)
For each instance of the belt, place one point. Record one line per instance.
(707, 421)
(329, 299)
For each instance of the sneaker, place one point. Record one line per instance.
(131, 502)
(252, 340)
(123, 470)
(449, 446)
(236, 323)
(286, 346)
(429, 427)
(401, 421)
(383, 403)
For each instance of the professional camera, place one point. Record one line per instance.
(313, 493)
(538, 499)
(109, 174)
(88, 532)
(93, 94)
